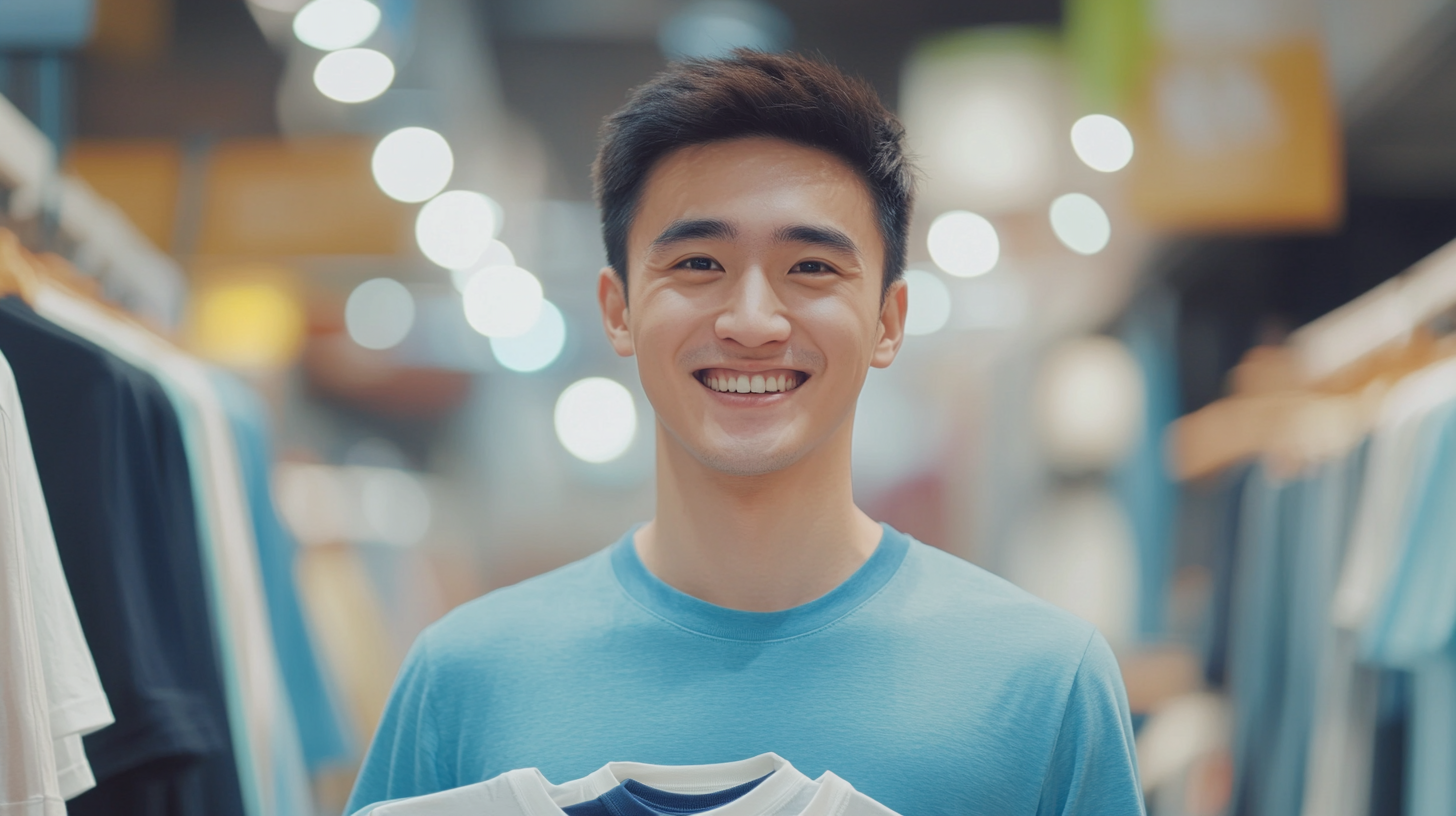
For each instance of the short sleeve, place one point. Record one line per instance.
(1093, 768)
(78, 703)
(403, 757)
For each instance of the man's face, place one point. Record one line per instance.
(755, 271)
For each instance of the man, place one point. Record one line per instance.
(755, 212)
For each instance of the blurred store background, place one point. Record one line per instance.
(377, 214)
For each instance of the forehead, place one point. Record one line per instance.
(759, 184)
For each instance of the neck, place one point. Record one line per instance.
(757, 543)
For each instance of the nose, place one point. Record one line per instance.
(754, 315)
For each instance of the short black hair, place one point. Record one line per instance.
(792, 97)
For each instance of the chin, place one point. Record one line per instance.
(749, 459)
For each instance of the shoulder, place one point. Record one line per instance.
(987, 620)
(571, 604)
(969, 593)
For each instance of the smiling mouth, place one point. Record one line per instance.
(728, 381)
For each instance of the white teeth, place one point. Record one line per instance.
(754, 384)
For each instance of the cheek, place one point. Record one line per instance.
(842, 331)
(664, 325)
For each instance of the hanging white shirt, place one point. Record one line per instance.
(526, 792)
(74, 700)
(1384, 502)
(28, 784)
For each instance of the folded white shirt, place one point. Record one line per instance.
(526, 792)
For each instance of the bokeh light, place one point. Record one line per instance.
(963, 243)
(353, 75)
(502, 301)
(496, 254)
(330, 25)
(1102, 142)
(379, 313)
(1090, 397)
(596, 419)
(538, 347)
(455, 228)
(412, 164)
(929, 302)
(1080, 223)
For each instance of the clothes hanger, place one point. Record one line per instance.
(1291, 424)
(57, 270)
(59, 273)
(17, 274)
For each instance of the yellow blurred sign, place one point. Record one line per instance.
(1238, 137)
(247, 316)
(298, 197)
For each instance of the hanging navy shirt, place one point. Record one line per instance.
(117, 485)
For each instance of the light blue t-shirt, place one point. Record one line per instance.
(926, 682)
(314, 706)
(1414, 626)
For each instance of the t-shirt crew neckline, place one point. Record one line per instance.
(534, 793)
(709, 619)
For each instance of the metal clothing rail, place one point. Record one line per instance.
(76, 222)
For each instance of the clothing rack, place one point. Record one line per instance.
(1271, 382)
(1383, 318)
(65, 215)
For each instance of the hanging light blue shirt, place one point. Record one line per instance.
(926, 682)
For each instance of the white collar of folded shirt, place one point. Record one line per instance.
(536, 796)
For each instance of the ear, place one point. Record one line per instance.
(892, 324)
(612, 297)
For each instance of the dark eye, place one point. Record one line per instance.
(700, 264)
(812, 267)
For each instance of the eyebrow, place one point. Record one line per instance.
(826, 237)
(690, 229)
